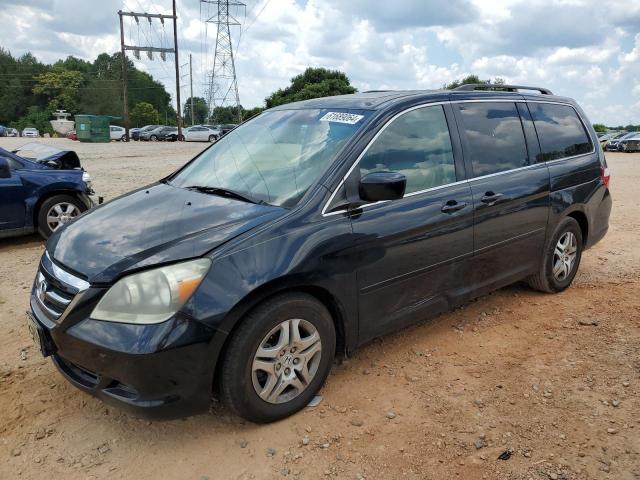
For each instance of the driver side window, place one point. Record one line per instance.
(416, 144)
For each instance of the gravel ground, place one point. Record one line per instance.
(552, 379)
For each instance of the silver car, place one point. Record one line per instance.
(200, 133)
(30, 132)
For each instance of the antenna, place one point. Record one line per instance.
(223, 84)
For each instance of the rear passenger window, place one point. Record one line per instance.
(416, 144)
(494, 137)
(560, 131)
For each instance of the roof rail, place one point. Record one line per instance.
(508, 88)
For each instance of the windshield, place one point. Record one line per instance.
(276, 156)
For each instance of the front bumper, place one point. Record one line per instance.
(155, 371)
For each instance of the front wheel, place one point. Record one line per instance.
(153, 138)
(212, 138)
(561, 258)
(278, 358)
(56, 211)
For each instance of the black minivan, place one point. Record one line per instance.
(308, 231)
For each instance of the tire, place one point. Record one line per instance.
(546, 280)
(68, 204)
(240, 380)
(212, 138)
(153, 138)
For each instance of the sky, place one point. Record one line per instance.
(585, 49)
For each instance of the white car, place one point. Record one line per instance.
(200, 133)
(30, 132)
(116, 132)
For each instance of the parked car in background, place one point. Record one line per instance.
(273, 251)
(117, 133)
(135, 135)
(30, 132)
(156, 134)
(612, 145)
(12, 132)
(41, 189)
(170, 135)
(200, 133)
(226, 127)
(3, 131)
(72, 135)
(607, 137)
(630, 144)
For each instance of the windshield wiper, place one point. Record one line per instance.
(225, 192)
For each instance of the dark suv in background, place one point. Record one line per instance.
(310, 230)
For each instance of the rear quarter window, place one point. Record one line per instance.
(560, 131)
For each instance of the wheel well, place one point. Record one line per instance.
(581, 218)
(41, 200)
(320, 294)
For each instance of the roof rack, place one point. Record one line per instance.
(508, 88)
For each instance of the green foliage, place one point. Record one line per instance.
(200, 111)
(228, 114)
(60, 86)
(144, 114)
(36, 117)
(470, 79)
(312, 83)
(600, 127)
(76, 85)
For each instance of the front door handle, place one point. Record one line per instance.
(491, 198)
(452, 206)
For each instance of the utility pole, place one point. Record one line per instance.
(150, 50)
(125, 100)
(191, 81)
(175, 46)
(223, 83)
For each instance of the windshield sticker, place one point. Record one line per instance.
(341, 117)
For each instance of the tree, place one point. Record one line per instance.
(200, 110)
(226, 114)
(60, 86)
(599, 127)
(470, 79)
(144, 114)
(312, 83)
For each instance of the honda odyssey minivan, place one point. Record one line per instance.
(310, 230)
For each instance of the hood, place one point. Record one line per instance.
(154, 225)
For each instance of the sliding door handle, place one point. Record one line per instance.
(452, 206)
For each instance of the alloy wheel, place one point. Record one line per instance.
(564, 256)
(61, 213)
(286, 361)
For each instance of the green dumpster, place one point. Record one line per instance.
(93, 128)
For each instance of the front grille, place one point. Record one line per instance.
(55, 289)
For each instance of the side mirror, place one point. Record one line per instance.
(5, 171)
(378, 186)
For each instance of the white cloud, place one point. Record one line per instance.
(577, 48)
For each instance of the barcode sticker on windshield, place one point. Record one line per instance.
(341, 117)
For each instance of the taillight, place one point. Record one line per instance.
(604, 174)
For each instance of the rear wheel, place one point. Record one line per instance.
(278, 358)
(153, 138)
(561, 258)
(212, 138)
(57, 211)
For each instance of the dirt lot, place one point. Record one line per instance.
(555, 379)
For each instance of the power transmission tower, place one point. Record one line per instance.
(223, 84)
(150, 50)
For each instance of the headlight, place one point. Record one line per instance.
(86, 178)
(152, 296)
